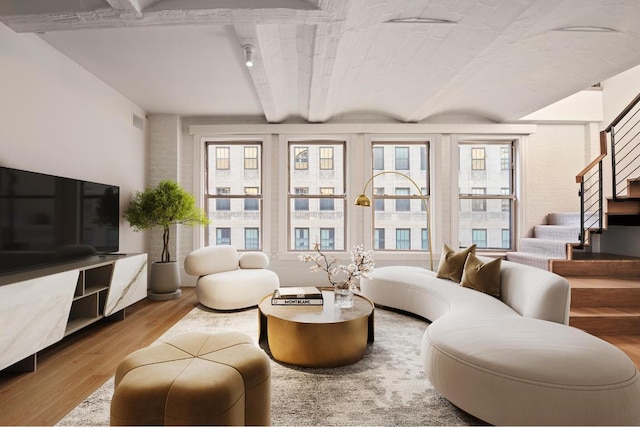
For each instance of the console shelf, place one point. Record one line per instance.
(57, 301)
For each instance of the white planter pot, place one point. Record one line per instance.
(164, 281)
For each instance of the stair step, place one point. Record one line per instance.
(564, 218)
(623, 206)
(633, 187)
(596, 267)
(605, 297)
(606, 320)
(533, 260)
(549, 248)
(566, 233)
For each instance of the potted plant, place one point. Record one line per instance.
(162, 206)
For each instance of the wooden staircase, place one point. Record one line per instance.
(605, 306)
(608, 308)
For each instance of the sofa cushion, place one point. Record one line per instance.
(452, 262)
(482, 276)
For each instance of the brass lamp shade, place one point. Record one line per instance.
(362, 200)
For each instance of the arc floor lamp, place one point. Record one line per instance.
(363, 200)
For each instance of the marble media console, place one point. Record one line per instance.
(40, 307)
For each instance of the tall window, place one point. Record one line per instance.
(425, 239)
(487, 194)
(233, 193)
(316, 194)
(396, 200)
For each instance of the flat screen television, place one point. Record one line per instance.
(46, 219)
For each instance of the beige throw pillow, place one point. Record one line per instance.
(452, 263)
(481, 276)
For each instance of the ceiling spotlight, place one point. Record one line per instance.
(248, 55)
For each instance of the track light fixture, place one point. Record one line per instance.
(248, 55)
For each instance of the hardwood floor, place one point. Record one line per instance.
(72, 369)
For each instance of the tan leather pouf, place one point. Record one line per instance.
(194, 379)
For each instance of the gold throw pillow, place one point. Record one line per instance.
(452, 263)
(482, 276)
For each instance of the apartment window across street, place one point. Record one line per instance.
(326, 204)
(406, 200)
(251, 238)
(378, 158)
(477, 159)
(403, 238)
(402, 158)
(222, 158)
(301, 158)
(252, 204)
(223, 204)
(251, 157)
(326, 158)
(316, 195)
(223, 236)
(487, 194)
(302, 239)
(479, 237)
(233, 193)
(378, 238)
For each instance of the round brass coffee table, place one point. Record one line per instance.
(317, 336)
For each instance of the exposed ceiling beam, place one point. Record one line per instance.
(125, 5)
(247, 34)
(126, 15)
(327, 41)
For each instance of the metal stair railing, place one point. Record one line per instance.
(591, 198)
(625, 148)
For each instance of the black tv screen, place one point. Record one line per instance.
(46, 219)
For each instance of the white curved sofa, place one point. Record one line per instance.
(514, 360)
(228, 280)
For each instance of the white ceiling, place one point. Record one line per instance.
(323, 60)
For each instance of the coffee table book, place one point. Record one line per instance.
(305, 295)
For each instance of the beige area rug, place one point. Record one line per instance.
(387, 387)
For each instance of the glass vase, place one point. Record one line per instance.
(343, 295)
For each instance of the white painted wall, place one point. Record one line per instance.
(618, 91)
(553, 155)
(57, 118)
